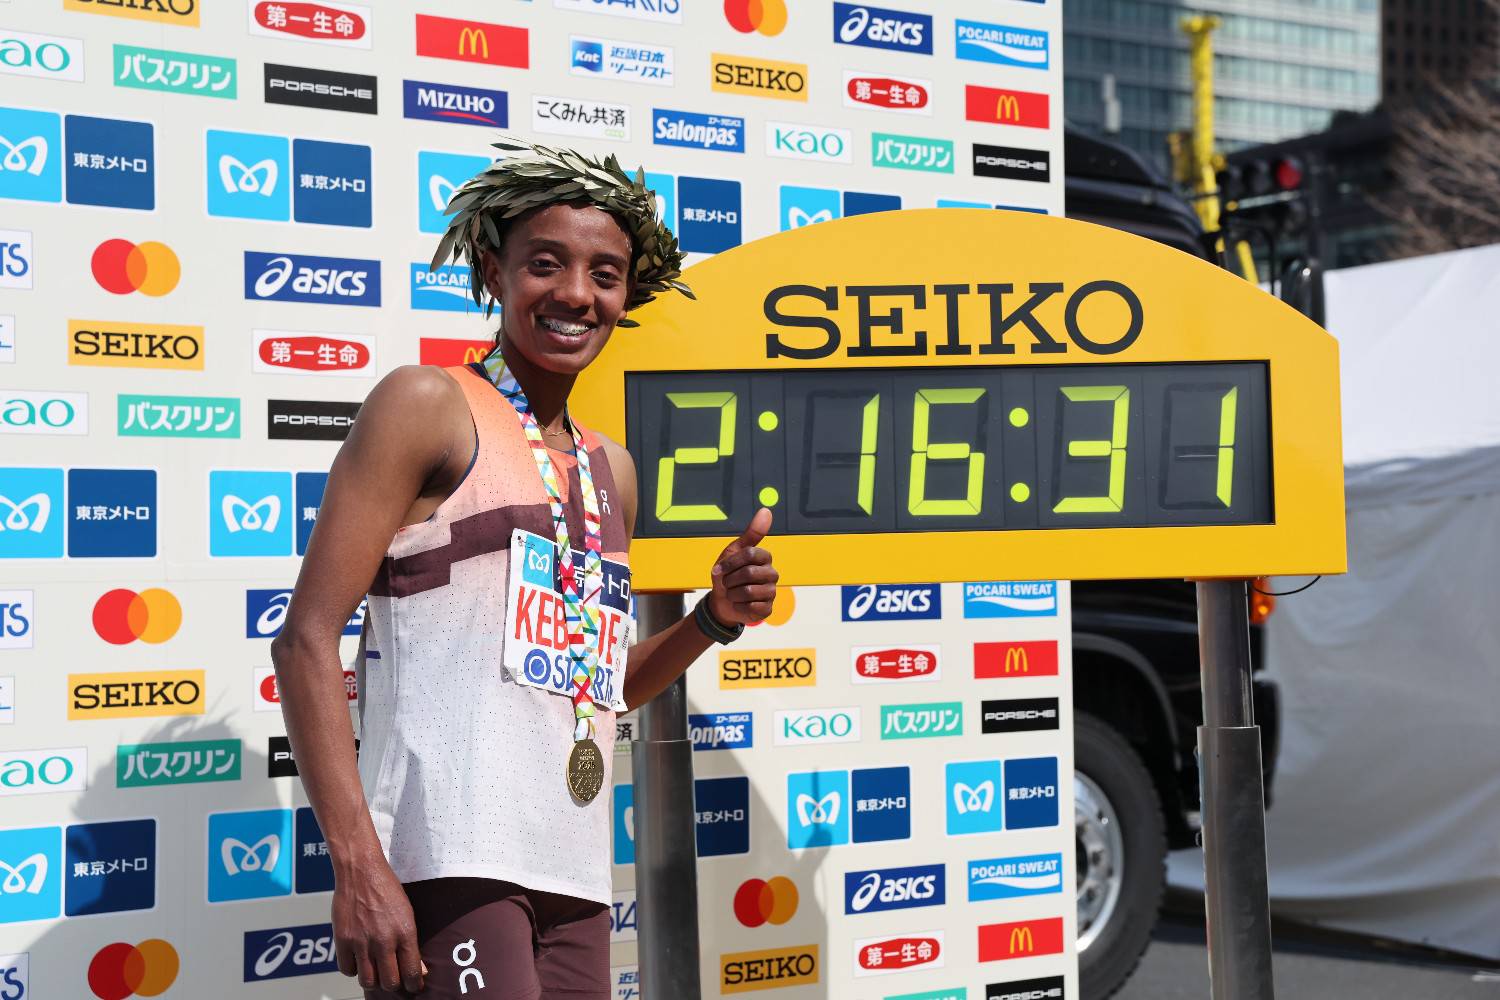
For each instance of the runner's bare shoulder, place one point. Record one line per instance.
(417, 414)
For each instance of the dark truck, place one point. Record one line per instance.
(1136, 695)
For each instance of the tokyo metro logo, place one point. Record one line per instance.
(123, 616)
(121, 267)
(768, 17)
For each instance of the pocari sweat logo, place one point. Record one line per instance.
(1008, 878)
(872, 602)
(1001, 44)
(292, 277)
(289, 951)
(879, 28)
(1011, 599)
(894, 889)
(443, 290)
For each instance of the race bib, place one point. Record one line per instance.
(535, 651)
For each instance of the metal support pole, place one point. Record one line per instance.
(666, 854)
(1230, 786)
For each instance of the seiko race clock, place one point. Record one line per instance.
(951, 393)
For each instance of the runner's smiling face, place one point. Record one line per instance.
(561, 279)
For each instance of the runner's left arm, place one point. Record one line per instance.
(743, 592)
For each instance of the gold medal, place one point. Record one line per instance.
(585, 770)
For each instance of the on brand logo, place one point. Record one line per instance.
(469, 956)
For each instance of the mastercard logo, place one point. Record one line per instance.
(781, 611)
(765, 901)
(123, 616)
(765, 16)
(122, 267)
(123, 970)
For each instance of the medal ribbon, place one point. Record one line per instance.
(580, 598)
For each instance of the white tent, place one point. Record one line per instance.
(1386, 805)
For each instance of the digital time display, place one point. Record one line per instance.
(953, 448)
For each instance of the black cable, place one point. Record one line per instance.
(1286, 593)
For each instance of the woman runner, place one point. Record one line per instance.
(470, 838)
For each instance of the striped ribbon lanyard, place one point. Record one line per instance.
(580, 597)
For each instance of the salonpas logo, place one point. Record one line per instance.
(744, 971)
(800, 726)
(767, 668)
(808, 142)
(135, 695)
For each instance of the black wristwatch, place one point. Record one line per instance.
(712, 627)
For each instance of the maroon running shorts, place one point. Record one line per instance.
(488, 940)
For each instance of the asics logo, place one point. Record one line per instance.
(15, 154)
(811, 811)
(259, 516)
(800, 218)
(259, 178)
(16, 517)
(15, 879)
(269, 622)
(273, 277)
(439, 190)
(270, 960)
(967, 800)
(238, 858)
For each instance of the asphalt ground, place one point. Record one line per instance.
(1308, 964)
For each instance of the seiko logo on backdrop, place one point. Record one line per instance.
(883, 311)
(768, 668)
(320, 88)
(309, 419)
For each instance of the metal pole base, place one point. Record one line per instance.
(1235, 894)
(666, 870)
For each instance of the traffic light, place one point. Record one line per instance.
(1259, 178)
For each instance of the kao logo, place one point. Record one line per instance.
(1020, 939)
(23, 412)
(800, 726)
(122, 616)
(122, 970)
(53, 57)
(765, 901)
(122, 267)
(765, 16)
(1035, 658)
(799, 141)
(31, 772)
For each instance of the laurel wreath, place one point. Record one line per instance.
(484, 206)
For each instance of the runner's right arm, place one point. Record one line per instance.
(395, 460)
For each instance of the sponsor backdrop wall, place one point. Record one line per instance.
(215, 220)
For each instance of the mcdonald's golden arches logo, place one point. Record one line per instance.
(473, 41)
(1015, 659)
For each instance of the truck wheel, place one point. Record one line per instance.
(1121, 856)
